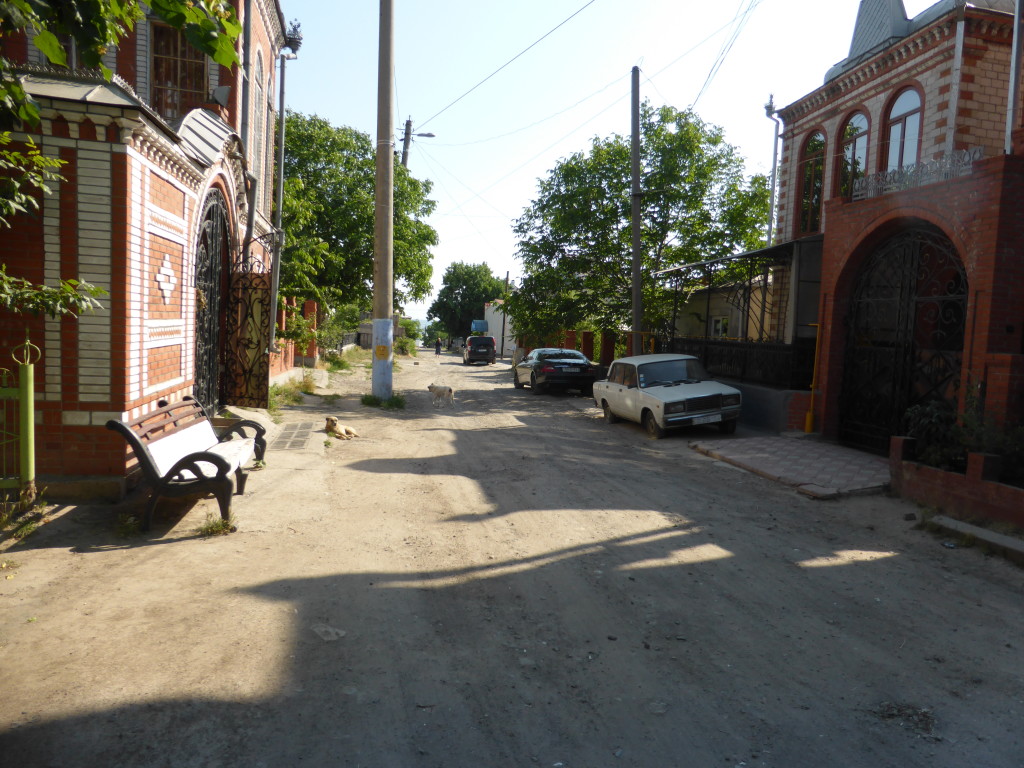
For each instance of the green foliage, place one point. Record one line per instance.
(69, 297)
(328, 216)
(464, 291)
(95, 26)
(933, 425)
(217, 526)
(281, 395)
(575, 238)
(433, 331)
(211, 26)
(298, 329)
(343, 319)
(393, 403)
(405, 346)
(24, 176)
(412, 327)
(944, 440)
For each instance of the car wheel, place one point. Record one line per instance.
(609, 417)
(654, 430)
(537, 389)
(728, 427)
(515, 380)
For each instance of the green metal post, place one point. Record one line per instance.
(27, 426)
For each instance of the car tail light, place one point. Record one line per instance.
(548, 369)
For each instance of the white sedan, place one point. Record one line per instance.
(662, 392)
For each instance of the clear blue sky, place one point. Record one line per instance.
(493, 145)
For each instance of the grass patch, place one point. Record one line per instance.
(217, 526)
(127, 525)
(393, 403)
(23, 516)
(282, 395)
(25, 529)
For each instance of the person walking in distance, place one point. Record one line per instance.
(437, 347)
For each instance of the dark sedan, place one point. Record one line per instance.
(548, 368)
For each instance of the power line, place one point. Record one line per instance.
(740, 22)
(505, 65)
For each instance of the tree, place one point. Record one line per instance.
(464, 291)
(329, 220)
(413, 329)
(575, 237)
(95, 26)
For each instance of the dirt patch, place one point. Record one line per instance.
(507, 582)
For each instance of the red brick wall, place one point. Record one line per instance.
(986, 226)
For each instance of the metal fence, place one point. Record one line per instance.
(789, 366)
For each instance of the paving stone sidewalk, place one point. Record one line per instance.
(814, 467)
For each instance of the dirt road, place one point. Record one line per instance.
(508, 583)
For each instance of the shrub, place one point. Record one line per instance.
(405, 345)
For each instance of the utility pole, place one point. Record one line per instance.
(503, 318)
(638, 312)
(406, 141)
(384, 203)
(408, 138)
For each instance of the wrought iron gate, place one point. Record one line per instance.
(211, 248)
(248, 318)
(905, 335)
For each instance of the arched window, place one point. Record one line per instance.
(853, 154)
(257, 161)
(271, 153)
(903, 130)
(812, 183)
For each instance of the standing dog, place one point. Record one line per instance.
(339, 430)
(443, 395)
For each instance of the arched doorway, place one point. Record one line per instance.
(905, 335)
(211, 249)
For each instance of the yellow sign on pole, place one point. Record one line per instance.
(382, 351)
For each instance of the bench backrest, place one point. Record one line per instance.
(169, 449)
(159, 438)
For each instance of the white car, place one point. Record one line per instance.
(666, 391)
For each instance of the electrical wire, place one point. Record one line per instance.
(740, 22)
(588, 4)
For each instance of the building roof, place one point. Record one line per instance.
(880, 23)
(203, 135)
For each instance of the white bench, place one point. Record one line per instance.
(181, 454)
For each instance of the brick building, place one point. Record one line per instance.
(166, 204)
(900, 163)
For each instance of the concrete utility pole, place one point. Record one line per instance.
(638, 311)
(408, 138)
(384, 203)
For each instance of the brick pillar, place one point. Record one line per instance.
(629, 344)
(587, 344)
(570, 340)
(607, 347)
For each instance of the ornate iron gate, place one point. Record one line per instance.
(905, 336)
(211, 248)
(248, 319)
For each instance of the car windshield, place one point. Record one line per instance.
(669, 372)
(563, 354)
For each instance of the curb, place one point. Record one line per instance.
(1009, 547)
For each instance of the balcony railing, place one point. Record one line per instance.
(947, 167)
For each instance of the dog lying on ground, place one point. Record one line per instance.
(443, 395)
(339, 430)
